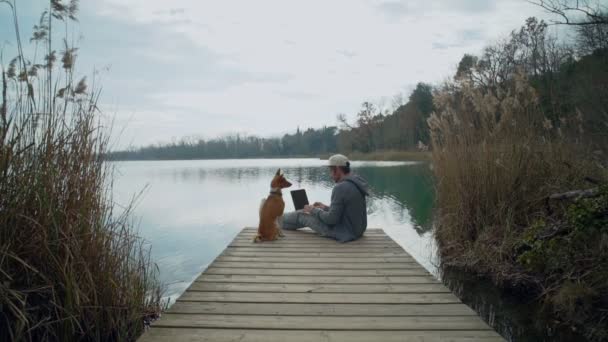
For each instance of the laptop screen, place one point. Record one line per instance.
(299, 198)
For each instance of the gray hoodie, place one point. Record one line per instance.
(347, 214)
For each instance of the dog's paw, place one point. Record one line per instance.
(257, 238)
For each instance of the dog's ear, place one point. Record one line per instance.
(279, 172)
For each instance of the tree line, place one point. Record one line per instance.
(403, 128)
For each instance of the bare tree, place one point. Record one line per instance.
(594, 13)
(592, 38)
(343, 121)
(398, 100)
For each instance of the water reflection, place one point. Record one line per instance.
(513, 314)
(411, 187)
(192, 209)
(408, 185)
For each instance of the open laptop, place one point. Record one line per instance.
(299, 198)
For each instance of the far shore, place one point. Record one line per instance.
(355, 156)
(391, 155)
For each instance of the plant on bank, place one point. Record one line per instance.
(71, 267)
(504, 169)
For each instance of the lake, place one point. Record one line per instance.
(190, 210)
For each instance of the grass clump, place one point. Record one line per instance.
(71, 267)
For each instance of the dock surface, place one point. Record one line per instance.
(307, 288)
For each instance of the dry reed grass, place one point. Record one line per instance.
(71, 267)
(497, 159)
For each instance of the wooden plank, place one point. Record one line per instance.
(269, 279)
(257, 335)
(314, 239)
(309, 231)
(333, 260)
(251, 230)
(254, 228)
(313, 236)
(315, 247)
(295, 247)
(372, 298)
(324, 253)
(295, 244)
(310, 243)
(318, 288)
(324, 323)
(317, 253)
(315, 265)
(333, 309)
(310, 250)
(327, 271)
(358, 252)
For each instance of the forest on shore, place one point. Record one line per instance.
(402, 129)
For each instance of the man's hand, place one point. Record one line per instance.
(307, 209)
(320, 205)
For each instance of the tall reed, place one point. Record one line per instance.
(497, 158)
(71, 267)
(502, 169)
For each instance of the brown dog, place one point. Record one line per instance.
(271, 209)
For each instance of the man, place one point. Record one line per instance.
(345, 219)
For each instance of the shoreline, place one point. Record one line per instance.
(354, 156)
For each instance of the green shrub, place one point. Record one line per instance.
(570, 256)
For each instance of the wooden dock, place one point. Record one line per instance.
(307, 288)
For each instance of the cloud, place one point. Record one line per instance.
(265, 67)
(397, 8)
(394, 9)
(347, 53)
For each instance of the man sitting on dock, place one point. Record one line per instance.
(345, 219)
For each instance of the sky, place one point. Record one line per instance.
(171, 69)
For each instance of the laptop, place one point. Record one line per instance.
(299, 198)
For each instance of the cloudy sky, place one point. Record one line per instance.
(209, 68)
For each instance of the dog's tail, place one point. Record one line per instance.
(261, 205)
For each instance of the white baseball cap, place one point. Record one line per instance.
(338, 160)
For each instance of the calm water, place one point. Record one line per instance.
(190, 210)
